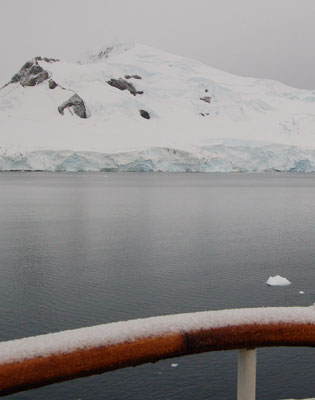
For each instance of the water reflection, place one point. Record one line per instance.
(81, 249)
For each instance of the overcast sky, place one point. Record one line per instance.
(260, 38)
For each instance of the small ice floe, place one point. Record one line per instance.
(301, 292)
(278, 281)
(174, 365)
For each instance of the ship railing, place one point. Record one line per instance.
(42, 360)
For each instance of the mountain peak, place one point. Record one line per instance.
(127, 96)
(107, 50)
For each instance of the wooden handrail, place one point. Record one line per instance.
(41, 370)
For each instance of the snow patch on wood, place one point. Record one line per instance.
(128, 331)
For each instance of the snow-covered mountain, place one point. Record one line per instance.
(128, 107)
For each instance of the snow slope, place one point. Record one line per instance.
(201, 119)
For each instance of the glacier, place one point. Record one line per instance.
(129, 107)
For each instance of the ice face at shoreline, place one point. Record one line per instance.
(212, 158)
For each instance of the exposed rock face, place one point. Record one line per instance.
(32, 74)
(102, 54)
(75, 104)
(52, 84)
(207, 99)
(133, 76)
(122, 84)
(144, 114)
(49, 60)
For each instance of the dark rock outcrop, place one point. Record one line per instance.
(15, 78)
(52, 84)
(144, 114)
(207, 99)
(32, 74)
(75, 104)
(102, 54)
(122, 84)
(133, 76)
(49, 60)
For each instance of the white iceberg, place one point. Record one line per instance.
(278, 280)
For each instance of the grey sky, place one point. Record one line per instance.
(261, 38)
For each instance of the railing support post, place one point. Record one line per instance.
(246, 375)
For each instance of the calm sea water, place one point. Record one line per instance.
(84, 249)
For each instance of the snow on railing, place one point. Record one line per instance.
(41, 360)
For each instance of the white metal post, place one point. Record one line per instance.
(246, 375)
